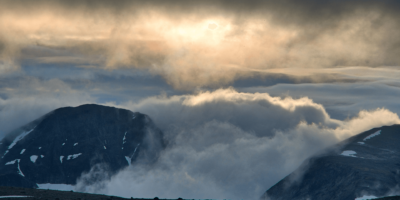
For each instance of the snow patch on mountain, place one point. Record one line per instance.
(20, 137)
(33, 158)
(14, 196)
(73, 156)
(61, 158)
(23, 150)
(366, 197)
(372, 135)
(128, 160)
(51, 186)
(17, 139)
(75, 144)
(348, 153)
(11, 162)
(19, 169)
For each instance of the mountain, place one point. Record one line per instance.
(58, 147)
(367, 164)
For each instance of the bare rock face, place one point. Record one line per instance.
(367, 164)
(60, 146)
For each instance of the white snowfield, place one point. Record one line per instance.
(61, 158)
(13, 196)
(51, 186)
(366, 197)
(348, 153)
(73, 156)
(361, 142)
(372, 135)
(33, 158)
(75, 144)
(23, 150)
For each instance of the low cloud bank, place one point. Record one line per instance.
(230, 145)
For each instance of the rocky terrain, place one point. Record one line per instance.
(58, 147)
(366, 164)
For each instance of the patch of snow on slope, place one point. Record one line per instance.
(105, 147)
(19, 169)
(23, 150)
(61, 158)
(73, 156)
(75, 144)
(135, 149)
(42, 156)
(14, 196)
(20, 137)
(360, 142)
(124, 140)
(348, 153)
(40, 147)
(33, 158)
(11, 162)
(366, 197)
(63, 187)
(4, 154)
(128, 160)
(372, 135)
(63, 144)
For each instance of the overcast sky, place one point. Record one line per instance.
(244, 90)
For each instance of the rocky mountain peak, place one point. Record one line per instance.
(60, 146)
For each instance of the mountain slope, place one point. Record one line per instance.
(60, 146)
(366, 164)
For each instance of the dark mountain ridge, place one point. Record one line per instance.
(365, 164)
(63, 144)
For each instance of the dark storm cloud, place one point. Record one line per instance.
(172, 38)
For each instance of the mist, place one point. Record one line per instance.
(215, 151)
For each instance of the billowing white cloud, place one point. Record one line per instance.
(231, 145)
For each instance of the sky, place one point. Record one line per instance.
(244, 91)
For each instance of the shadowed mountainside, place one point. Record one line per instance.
(366, 164)
(58, 147)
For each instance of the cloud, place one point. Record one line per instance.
(230, 145)
(27, 99)
(342, 100)
(173, 38)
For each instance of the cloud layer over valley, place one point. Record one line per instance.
(226, 144)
